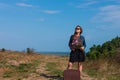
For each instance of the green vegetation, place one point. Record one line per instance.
(107, 49)
(3, 50)
(18, 66)
(23, 70)
(52, 68)
(30, 50)
(103, 61)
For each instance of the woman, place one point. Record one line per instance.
(77, 45)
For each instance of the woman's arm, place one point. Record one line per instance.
(70, 42)
(84, 44)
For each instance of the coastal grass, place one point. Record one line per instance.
(52, 67)
(18, 66)
(102, 69)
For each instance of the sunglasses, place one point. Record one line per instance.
(77, 28)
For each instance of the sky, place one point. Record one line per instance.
(46, 25)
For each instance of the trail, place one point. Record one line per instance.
(40, 70)
(86, 77)
(41, 74)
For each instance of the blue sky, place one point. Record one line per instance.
(46, 25)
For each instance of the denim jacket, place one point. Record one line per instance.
(82, 39)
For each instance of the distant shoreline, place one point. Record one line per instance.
(55, 53)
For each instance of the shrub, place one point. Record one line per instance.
(3, 50)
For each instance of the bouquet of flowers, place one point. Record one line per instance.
(76, 44)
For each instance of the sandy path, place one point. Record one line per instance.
(42, 73)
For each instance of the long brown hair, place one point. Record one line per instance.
(80, 29)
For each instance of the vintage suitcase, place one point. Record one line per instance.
(71, 74)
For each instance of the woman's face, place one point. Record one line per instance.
(77, 29)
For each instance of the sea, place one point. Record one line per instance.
(56, 53)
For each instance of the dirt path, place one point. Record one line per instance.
(42, 72)
(38, 75)
(86, 77)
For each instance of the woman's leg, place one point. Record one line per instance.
(80, 67)
(70, 65)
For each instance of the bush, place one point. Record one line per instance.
(3, 50)
(30, 50)
(107, 49)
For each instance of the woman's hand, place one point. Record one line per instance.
(82, 48)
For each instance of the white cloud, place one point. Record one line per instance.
(117, 1)
(108, 14)
(87, 4)
(24, 5)
(51, 11)
(110, 8)
(108, 17)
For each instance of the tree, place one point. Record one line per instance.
(30, 50)
(3, 50)
(107, 49)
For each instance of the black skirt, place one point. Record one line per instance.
(77, 56)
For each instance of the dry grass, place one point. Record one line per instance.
(103, 69)
(14, 65)
(20, 66)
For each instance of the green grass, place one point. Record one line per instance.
(102, 69)
(100, 75)
(52, 68)
(91, 72)
(2, 63)
(8, 74)
(114, 78)
(23, 70)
